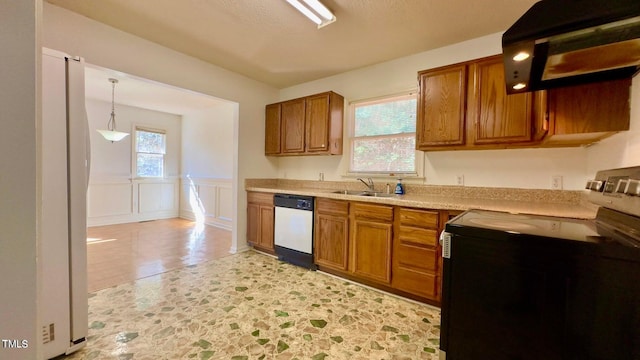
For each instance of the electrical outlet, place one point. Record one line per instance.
(460, 180)
(556, 182)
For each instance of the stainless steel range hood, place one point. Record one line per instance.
(567, 42)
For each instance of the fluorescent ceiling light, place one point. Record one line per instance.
(315, 11)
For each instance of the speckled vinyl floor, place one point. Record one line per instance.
(252, 306)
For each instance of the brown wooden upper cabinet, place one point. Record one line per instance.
(292, 122)
(465, 106)
(441, 107)
(310, 125)
(272, 129)
(587, 113)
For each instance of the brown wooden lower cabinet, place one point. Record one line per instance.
(390, 247)
(331, 238)
(416, 252)
(371, 230)
(260, 221)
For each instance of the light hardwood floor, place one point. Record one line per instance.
(122, 253)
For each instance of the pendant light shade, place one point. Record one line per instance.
(111, 133)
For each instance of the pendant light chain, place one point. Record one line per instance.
(112, 121)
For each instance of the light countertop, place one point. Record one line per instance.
(526, 201)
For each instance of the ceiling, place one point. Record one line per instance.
(268, 40)
(143, 93)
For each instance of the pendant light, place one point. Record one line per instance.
(111, 134)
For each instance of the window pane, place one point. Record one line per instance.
(391, 154)
(150, 142)
(393, 117)
(150, 164)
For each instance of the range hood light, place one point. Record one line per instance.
(519, 86)
(560, 43)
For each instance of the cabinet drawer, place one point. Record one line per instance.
(416, 258)
(421, 237)
(417, 283)
(260, 198)
(419, 218)
(372, 212)
(329, 206)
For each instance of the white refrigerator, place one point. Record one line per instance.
(65, 172)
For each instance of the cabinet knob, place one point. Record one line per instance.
(322, 145)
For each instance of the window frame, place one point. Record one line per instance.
(351, 122)
(134, 152)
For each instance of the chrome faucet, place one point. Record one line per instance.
(368, 183)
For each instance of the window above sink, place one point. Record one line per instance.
(382, 136)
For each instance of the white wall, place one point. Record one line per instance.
(19, 178)
(110, 48)
(207, 165)
(208, 143)
(521, 168)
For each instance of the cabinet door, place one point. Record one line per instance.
(266, 227)
(253, 223)
(371, 250)
(292, 117)
(331, 241)
(494, 116)
(272, 129)
(441, 107)
(590, 108)
(317, 118)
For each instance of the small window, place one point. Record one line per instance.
(384, 135)
(150, 149)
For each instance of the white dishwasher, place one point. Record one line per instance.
(293, 232)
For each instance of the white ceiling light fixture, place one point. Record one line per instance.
(111, 134)
(315, 11)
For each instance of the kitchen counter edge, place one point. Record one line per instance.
(449, 203)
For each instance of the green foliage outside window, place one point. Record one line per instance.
(150, 150)
(384, 136)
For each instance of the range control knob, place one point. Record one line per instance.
(596, 185)
(633, 188)
(609, 186)
(622, 186)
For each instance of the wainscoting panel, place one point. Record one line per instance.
(110, 199)
(208, 200)
(225, 203)
(123, 200)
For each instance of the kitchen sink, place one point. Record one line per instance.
(378, 194)
(363, 193)
(350, 192)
